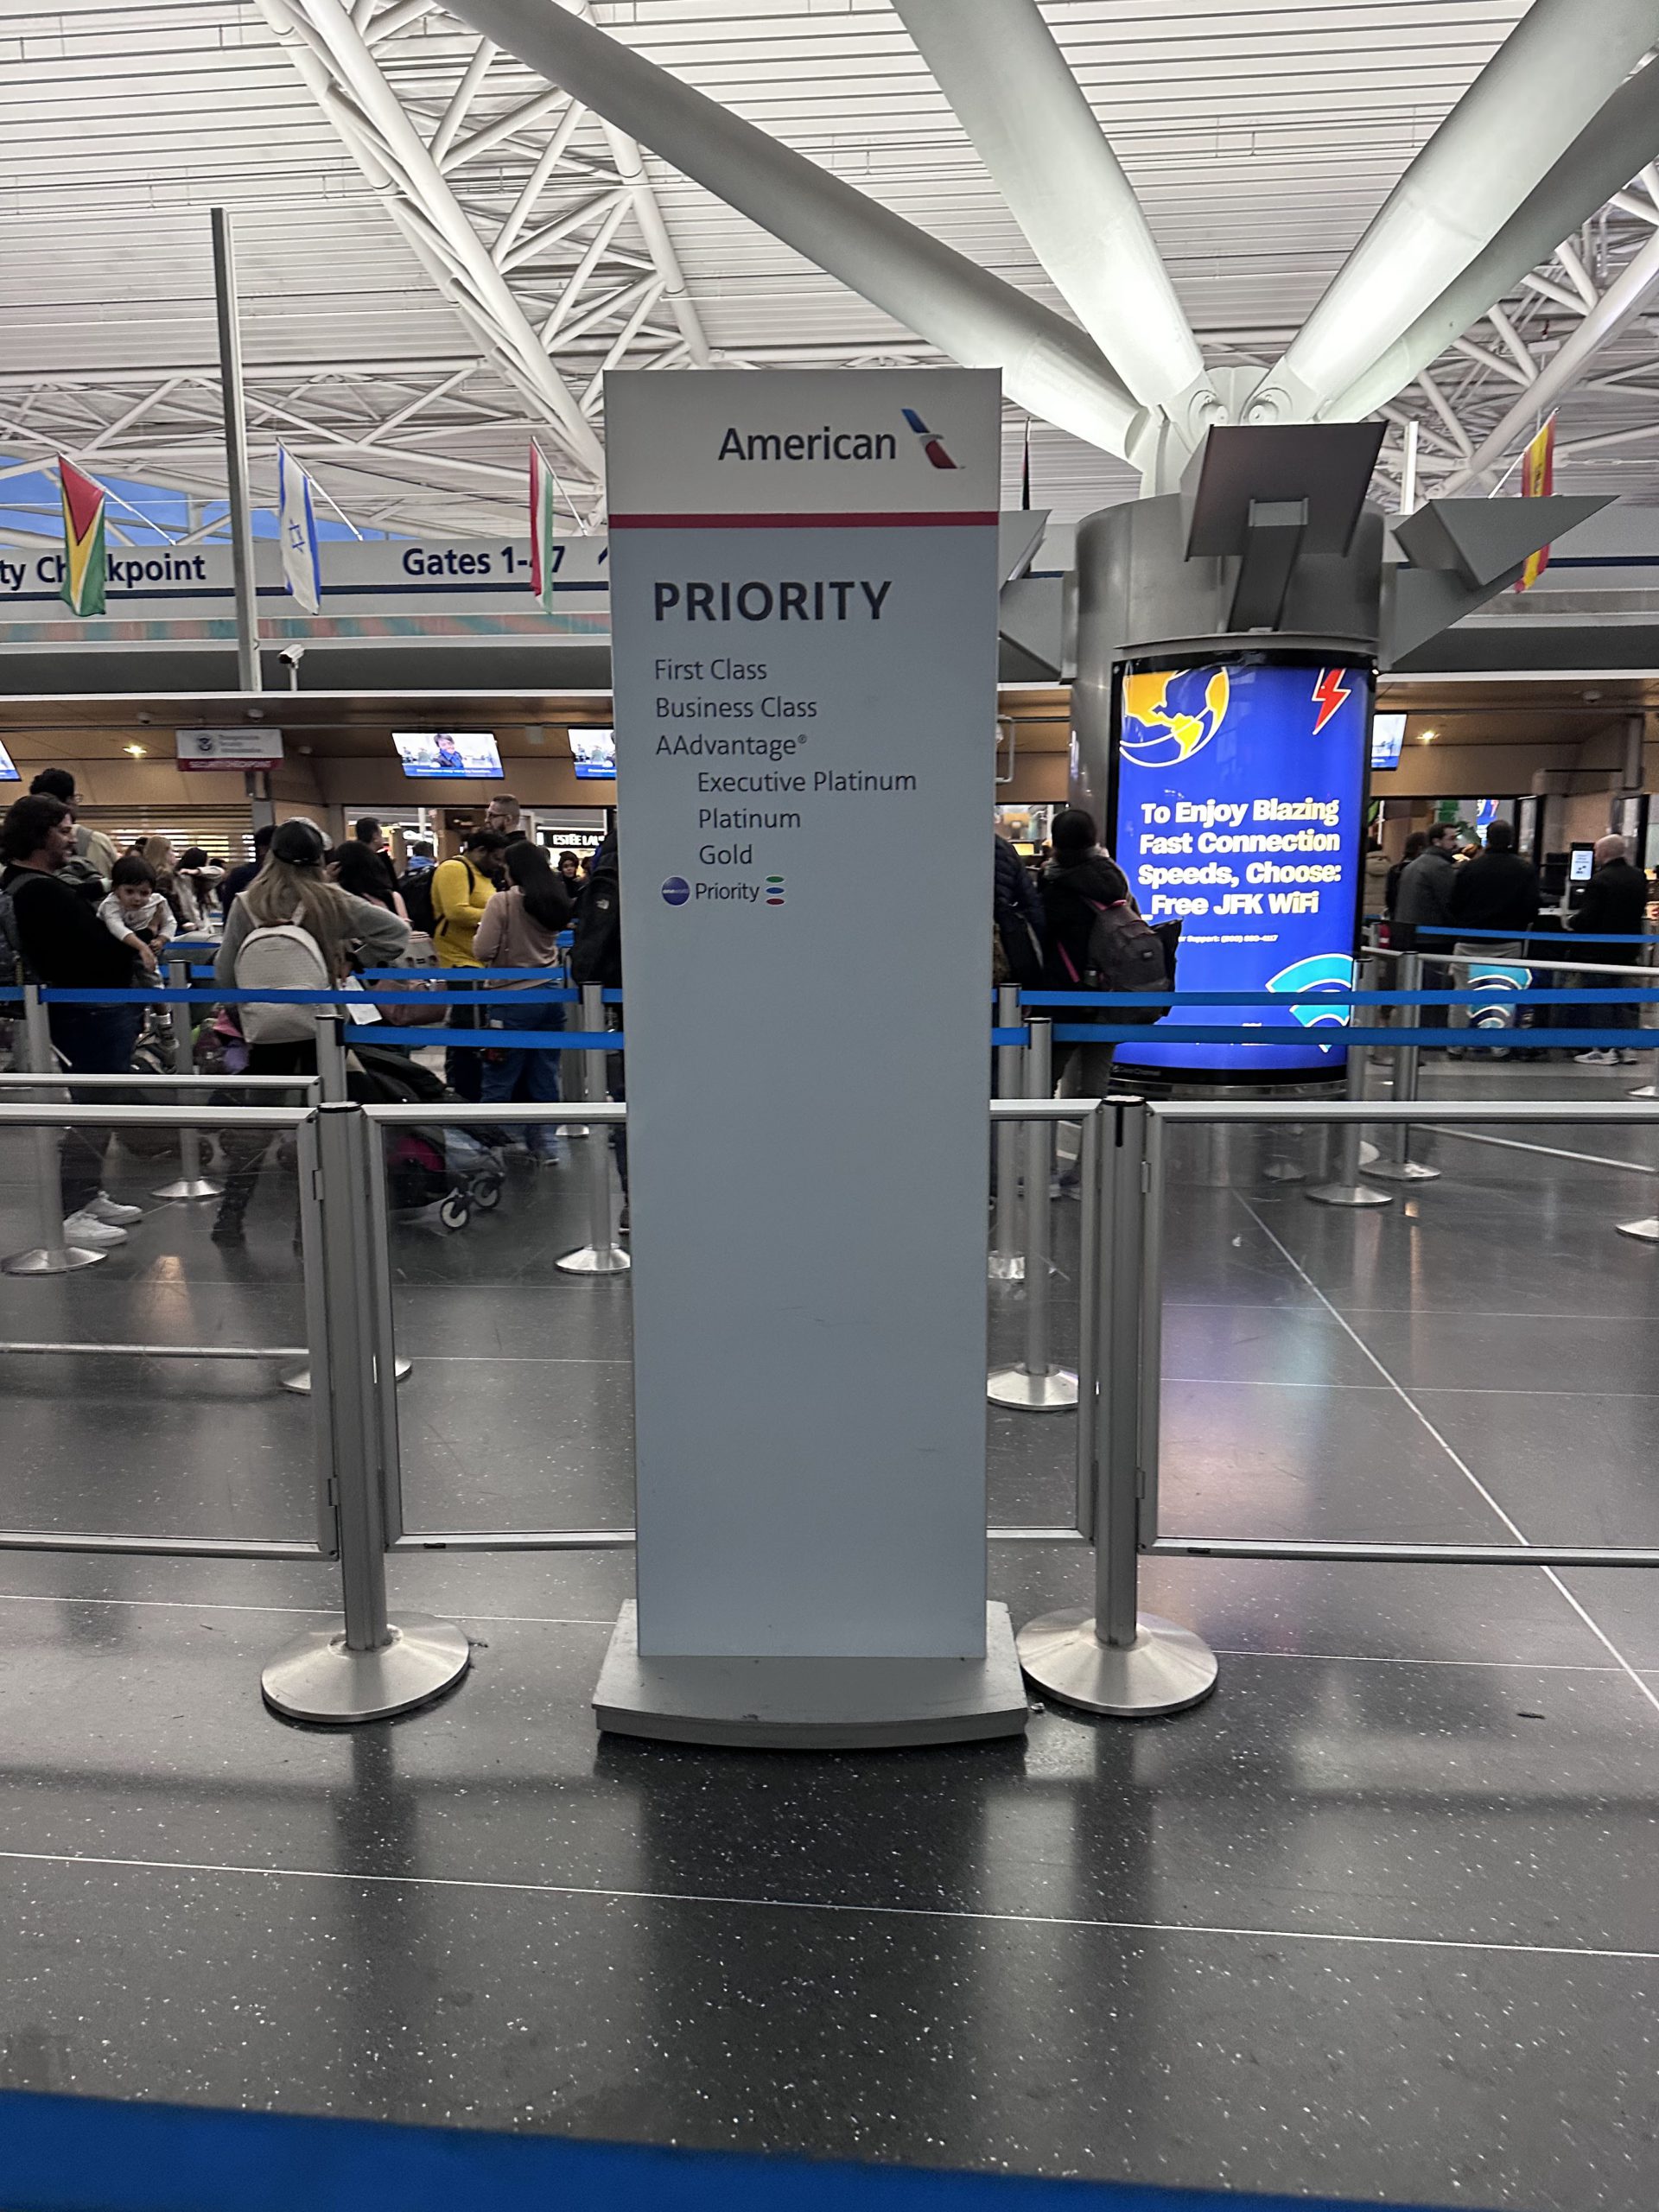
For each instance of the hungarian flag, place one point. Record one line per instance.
(543, 556)
(86, 556)
(1537, 482)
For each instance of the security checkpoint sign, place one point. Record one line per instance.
(219, 749)
(803, 578)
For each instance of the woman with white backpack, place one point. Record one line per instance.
(292, 930)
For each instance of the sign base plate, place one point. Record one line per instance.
(812, 1705)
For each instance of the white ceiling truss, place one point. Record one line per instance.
(448, 234)
(536, 239)
(1512, 369)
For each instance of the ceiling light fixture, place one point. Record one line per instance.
(138, 752)
(1426, 736)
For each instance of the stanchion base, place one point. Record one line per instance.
(595, 1260)
(1349, 1194)
(1053, 1393)
(1166, 1670)
(316, 1678)
(190, 1187)
(1285, 1171)
(1645, 1232)
(1647, 1090)
(299, 1380)
(51, 1260)
(1405, 1170)
(1007, 1267)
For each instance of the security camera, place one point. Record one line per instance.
(291, 656)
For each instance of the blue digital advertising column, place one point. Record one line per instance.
(1238, 804)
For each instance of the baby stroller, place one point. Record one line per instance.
(436, 1178)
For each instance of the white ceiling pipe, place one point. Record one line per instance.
(625, 152)
(1048, 365)
(997, 64)
(1563, 60)
(471, 269)
(1614, 148)
(1624, 298)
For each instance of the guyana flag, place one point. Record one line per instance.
(86, 556)
(1538, 483)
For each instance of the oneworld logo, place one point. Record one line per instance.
(676, 891)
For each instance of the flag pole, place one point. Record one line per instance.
(249, 677)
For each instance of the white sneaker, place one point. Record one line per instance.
(106, 1209)
(85, 1229)
(1597, 1059)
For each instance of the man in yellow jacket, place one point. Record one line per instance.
(461, 888)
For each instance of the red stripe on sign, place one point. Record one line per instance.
(841, 520)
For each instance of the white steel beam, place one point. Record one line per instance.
(1607, 154)
(321, 32)
(631, 168)
(997, 63)
(1545, 85)
(1622, 299)
(972, 316)
(537, 182)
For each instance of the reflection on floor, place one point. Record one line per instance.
(1379, 1919)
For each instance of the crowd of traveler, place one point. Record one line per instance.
(77, 914)
(1493, 892)
(300, 914)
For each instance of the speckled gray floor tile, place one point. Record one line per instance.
(1380, 1919)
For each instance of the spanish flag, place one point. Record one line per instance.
(86, 556)
(1538, 483)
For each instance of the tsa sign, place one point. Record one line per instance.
(234, 749)
(1240, 804)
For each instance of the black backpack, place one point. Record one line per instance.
(1125, 953)
(416, 885)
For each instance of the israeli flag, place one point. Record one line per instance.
(296, 523)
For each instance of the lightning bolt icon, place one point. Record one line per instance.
(1329, 693)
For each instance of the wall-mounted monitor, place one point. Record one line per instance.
(7, 768)
(471, 752)
(1387, 735)
(593, 751)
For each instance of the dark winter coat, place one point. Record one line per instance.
(1497, 891)
(1615, 902)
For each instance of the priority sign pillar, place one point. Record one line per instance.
(803, 594)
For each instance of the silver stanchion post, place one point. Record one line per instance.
(1007, 1262)
(1032, 1386)
(331, 1058)
(1402, 1168)
(1348, 1190)
(601, 1255)
(331, 1089)
(1651, 960)
(370, 1667)
(1115, 1659)
(52, 1256)
(191, 1182)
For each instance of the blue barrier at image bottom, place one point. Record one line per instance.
(72, 2154)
